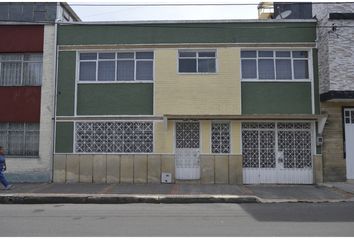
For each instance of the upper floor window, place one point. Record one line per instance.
(21, 69)
(197, 61)
(116, 66)
(275, 65)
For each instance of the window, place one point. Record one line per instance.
(115, 137)
(196, 61)
(220, 137)
(116, 66)
(274, 65)
(21, 69)
(20, 139)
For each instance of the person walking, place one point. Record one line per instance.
(3, 180)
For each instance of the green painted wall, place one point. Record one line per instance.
(245, 32)
(316, 80)
(64, 137)
(276, 98)
(66, 83)
(115, 99)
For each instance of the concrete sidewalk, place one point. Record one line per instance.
(171, 193)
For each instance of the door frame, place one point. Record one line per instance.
(344, 108)
(175, 146)
(277, 170)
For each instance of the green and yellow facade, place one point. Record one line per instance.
(172, 97)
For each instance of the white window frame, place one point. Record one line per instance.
(96, 81)
(21, 61)
(291, 58)
(24, 139)
(197, 51)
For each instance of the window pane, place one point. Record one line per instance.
(87, 71)
(32, 143)
(266, 68)
(206, 65)
(16, 143)
(187, 65)
(248, 54)
(283, 68)
(125, 55)
(32, 73)
(144, 55)
(106, 70)
(11, 57)
(3, 126)
(88, 56)
(249, 69)
(144, 70)
(301, 70)
(125, 70)
(282, 53)
(300, 54)
(187, 54)
(33, 57)
(32, 127)
(3, 140)
(107, 56)
(11, 73)
(265, 54)
(206, 54)
(16, 126)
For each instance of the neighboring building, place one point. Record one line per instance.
(336, 61)
(207, 101)
(27, 78)
(335, 45)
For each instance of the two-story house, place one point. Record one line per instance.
(27, 70)
(228, 102)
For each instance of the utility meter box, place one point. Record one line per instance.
(166, 177)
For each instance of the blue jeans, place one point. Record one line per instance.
(3, 179)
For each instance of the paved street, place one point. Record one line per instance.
(282, 219)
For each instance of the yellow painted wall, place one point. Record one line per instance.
(164, 139)
(216, 93)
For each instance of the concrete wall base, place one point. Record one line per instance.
(141, 168)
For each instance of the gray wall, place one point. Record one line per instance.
(336, 48)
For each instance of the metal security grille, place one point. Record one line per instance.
(294, 140)
(220, 138)
(187, 135)
(118, 137)
(20, 139)
(258, 145)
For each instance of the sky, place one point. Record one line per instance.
(137, 13)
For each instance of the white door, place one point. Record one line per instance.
(187, 150)
(277, 153)
(349, 141)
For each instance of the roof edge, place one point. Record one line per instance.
(192, 21)
(69, 9)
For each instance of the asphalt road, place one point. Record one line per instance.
(303, 219)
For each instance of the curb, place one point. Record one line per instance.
(122, 199)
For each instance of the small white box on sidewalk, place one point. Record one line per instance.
(166, 177)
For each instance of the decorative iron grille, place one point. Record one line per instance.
(259, 144)
(220, 138)
(118, 137)
(187, 134)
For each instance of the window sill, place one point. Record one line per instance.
(202, 73)
(272, 80)
(19, 156)
(115, 82)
